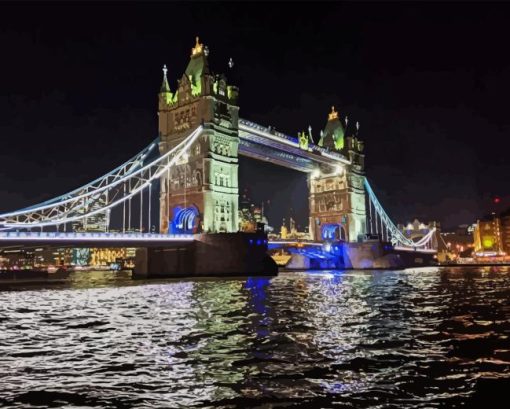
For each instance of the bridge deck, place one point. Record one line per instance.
(8, 239)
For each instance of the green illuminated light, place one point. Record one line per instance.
(303, 141)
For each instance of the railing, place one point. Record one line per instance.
(96, 236)
(269, 130)
(416, 249)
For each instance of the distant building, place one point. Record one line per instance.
(250, 215)
(457, 242)
(28, 258)
(109, 256)
(417, 230)
(96, 223)
(291, 232)
(505, 230)
(487, 237)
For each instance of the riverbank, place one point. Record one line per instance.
(476, 265)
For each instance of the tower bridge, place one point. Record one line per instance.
(205, 184)
(195, 176)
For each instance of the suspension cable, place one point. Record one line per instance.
(167, 204)
(150, 204)
(129, 208)
(49, 214)
(370, 217)
(396, 234)
(141, 211)
(124, 211)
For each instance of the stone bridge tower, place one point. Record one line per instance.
(200, 194)
(337, 200)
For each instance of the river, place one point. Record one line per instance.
(419, 338)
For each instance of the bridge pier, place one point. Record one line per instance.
(141, 269)
(305, 262)
(380, 255)
(342, 255)
(220, 254)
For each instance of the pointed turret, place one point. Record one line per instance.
(164, 86)
(165, 95)
(333, 135)
(303, 140)
(198, 66)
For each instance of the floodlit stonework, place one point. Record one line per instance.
(337, 200)
(206, 180)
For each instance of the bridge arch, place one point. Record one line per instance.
(186, 220)
(334, 232)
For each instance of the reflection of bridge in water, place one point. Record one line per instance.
(195, 180)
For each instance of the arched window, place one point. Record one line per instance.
(198, 178)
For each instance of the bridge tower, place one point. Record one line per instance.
(201, 193)
(337, 199)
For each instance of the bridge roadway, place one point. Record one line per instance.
(274, 244)
(162, 255)
(131, 239)
(97, 240)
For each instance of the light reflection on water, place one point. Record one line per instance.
(420, 338)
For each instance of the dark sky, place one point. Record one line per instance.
(429, 84)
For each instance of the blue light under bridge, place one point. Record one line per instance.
(185, 221)
(333, 231)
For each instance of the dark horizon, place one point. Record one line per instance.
(427, 82)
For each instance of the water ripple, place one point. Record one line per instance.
(419, 338)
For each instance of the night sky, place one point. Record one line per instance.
(429, 84)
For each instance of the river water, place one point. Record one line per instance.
(419, 338)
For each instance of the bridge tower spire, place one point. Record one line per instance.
(165, 94)
(164, 86)
(201, 193)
